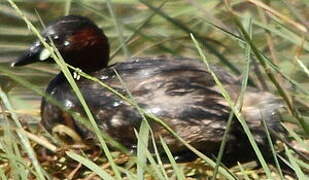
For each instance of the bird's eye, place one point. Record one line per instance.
(35, 45)
(55, 38)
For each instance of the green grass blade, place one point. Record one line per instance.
(24, 140)
(178, 172)
(235, 111)
(58, 59)
(272, 148)
(158, 158)
(213, 50)
(223, 143)
(118, 27)
(302, 164)
(299, 173)
(157, 171)
(284, 33)
(12, 154)
(272, 77)
(142, 143)
(290, 80)
(67, 7)
(243, 171)
(136, 31)
(2, 175)
(152, 117)
(89, 164)
(142, 146)
(298, 139)
(303, 66)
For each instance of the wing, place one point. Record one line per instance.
(180, 92)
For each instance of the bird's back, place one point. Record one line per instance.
(181, 92)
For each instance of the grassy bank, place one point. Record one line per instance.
(264, 44)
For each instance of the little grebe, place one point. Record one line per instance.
(179, 91)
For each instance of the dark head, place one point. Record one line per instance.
(81, 43)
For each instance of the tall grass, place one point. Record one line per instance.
(231, 39)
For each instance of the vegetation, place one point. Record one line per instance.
(265, 43)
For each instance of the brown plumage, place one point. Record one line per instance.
(180, 91)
